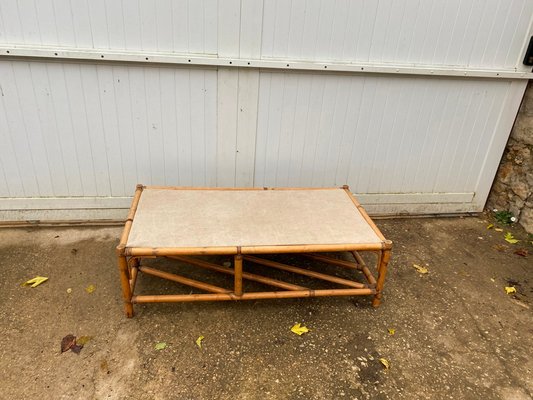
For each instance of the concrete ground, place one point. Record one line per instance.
(458, 335)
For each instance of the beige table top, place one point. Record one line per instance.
(173, 218)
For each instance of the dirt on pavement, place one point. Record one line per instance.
(457, 333)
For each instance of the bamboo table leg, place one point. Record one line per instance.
(238, 274)
(125, 282)
(383, 260)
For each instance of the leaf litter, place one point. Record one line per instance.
(421, 270)
(199, 341)
(70, 342)
(510, 238)
(521, 252)
(34, 282)
(299, 329)
(510, 289)
(385, 363)
(160, 346)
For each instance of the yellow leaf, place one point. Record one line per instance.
(510, 289)
(83, 340)
(35, 281)
(510, 238)
(385, 362)
(91, 288)
(160, 346)
(199, 341)
(490, 226)
(498, 229)
(422, 270)
(391, 331)
(299, 330)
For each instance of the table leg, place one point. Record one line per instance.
(126, 290)
(383, 260)
(237, 267)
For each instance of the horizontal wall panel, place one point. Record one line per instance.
(116, 208)
(487, 33)
(119, 214)
(473, 33)
(183, 26)
(376, 134)
(98, 130)
(73, 203)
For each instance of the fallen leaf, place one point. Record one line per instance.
(490, 226)
(160, 346)
(76, 348)
(510, 238)
(499, 247)
(83, 340)
(91, 288)
(498, 229)
(510, 289)
(422, 270)
(199, 341)
(104, 367)
(299, 330)
(35, 281)
(391, 331)
(385, 362)
(521, 252)
(67, 342)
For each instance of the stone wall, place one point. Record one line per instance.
(512, 189)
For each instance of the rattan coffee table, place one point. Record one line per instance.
(248, 224)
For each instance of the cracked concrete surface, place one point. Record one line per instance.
(458, 335)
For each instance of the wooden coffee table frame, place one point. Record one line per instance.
(129, 262)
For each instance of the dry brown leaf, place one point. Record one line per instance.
(76, 348)
(521, 252)
(67, 342)
(499, 247)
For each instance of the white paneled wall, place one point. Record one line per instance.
(97, 130)
(378, 134)
(184, 26)
(430, 32)
(78, 135)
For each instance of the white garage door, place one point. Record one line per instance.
(408, 102)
